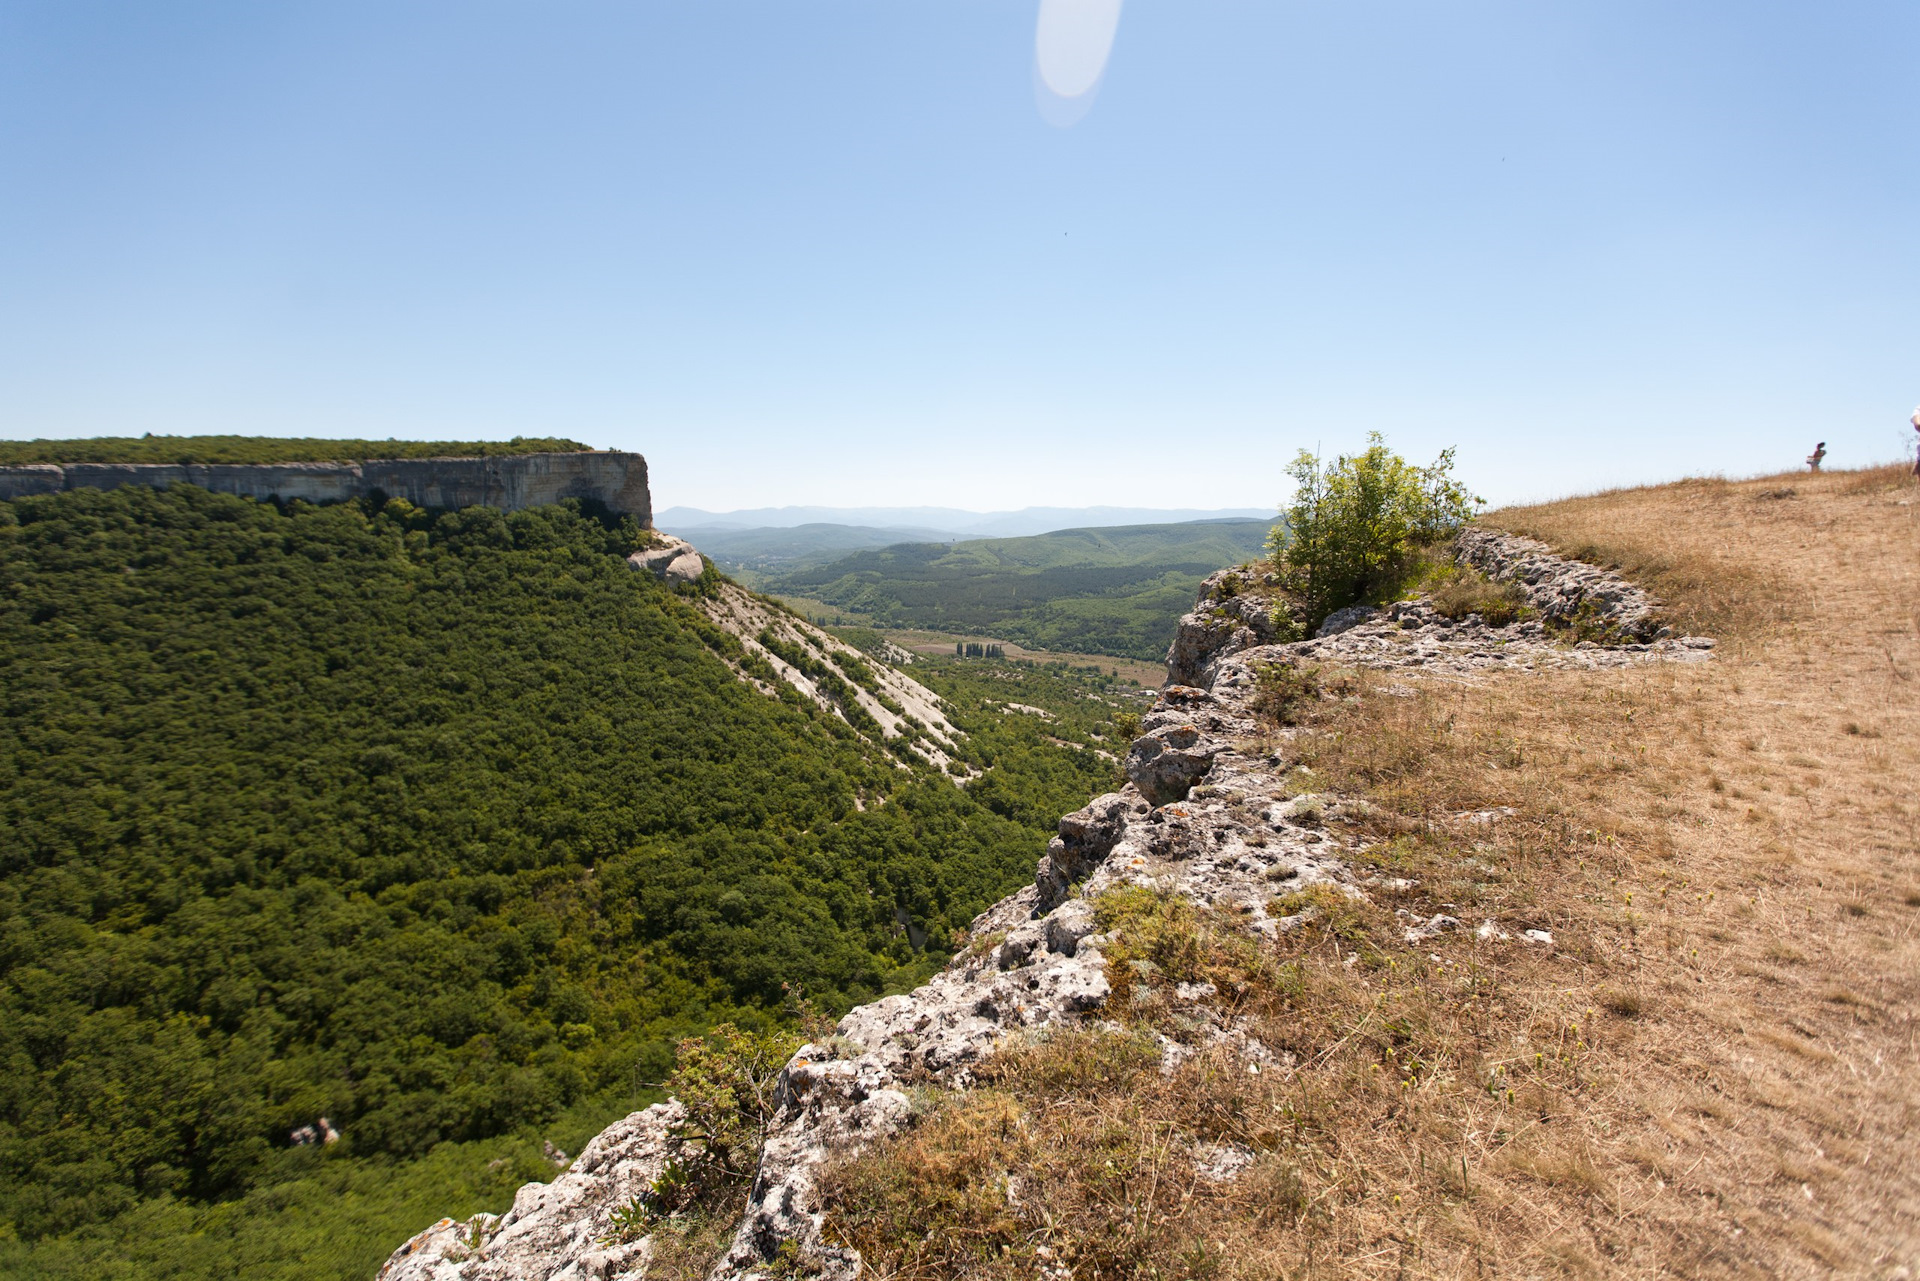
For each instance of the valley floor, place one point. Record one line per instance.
(1148, 675)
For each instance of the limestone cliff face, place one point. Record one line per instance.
(509, 482)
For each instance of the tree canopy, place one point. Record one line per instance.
(436, 824)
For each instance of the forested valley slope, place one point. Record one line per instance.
(443, 826)
(1117, 590)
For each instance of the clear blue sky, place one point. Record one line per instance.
(839, 253)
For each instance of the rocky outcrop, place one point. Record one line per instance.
(1029, 967)
(672, 560)
(1562, 591)
(1232, 612)
(1411, 636)
(560, 1229)
(1208, 814)
(1234, 615)
(508, 481)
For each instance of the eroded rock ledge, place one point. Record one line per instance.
(1200, 816)
(507, 481)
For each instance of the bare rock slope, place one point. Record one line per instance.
(780, 648)
(1203, 814)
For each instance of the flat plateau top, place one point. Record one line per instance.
(266, 449)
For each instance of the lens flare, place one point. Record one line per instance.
(1071, 43)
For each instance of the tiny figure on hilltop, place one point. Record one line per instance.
(1916, 444)
(1813, 459)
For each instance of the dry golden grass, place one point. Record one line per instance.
(1712, 1072)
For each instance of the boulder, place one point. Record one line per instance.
(1086, 835)
(1166, 764)
(672, 560)
(1229, 616)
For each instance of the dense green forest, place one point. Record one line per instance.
(261, 449)
(1100, 591)
(441, 825)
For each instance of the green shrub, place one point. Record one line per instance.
(1356, 528)
(726, 1082)
(1462, 591)
(1281, 690)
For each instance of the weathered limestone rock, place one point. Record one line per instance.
(671, 559)
(1166, 763)
(558, 1230)
(509, 481)
(1559, 588)
(1341, 620)
(1226, 616)
(1085, 837)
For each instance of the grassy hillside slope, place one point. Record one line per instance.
(1704, 1064)
(262, 449)
(442, 826)
(1101, 591)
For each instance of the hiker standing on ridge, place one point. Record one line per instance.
(1813, 459)
(1916, 445)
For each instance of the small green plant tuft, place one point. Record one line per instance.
(1334, 910)
(1462, 590)
(1282, 691)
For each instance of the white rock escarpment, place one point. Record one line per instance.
(507, 481)
(782, 648)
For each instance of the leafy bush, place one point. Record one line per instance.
(1357, 527)
(726, 1082)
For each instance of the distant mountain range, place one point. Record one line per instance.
(930, 524)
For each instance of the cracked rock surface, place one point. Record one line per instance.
(1228, 626)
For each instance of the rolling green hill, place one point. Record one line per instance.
(756, 554)
(1104, 591)
(440, 825)
(261, 449)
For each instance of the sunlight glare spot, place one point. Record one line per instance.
(1071, 44)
